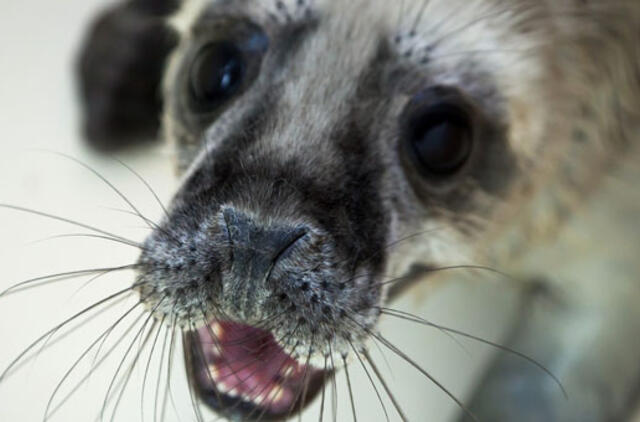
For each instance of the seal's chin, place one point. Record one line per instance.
(242, 372)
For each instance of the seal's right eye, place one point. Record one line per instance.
(223, 64)
(217, 74)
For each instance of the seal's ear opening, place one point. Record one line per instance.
(120, 70)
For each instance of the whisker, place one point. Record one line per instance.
(419, 15)
(305, 390)
(407, 359)
(58, 327)
(147, 184)
(273, 394)
(346, 371)
(396, 280)
(446, 333)
(125, 381)
(107, 397)
(411, 362)
(89, 236)
(300, 395)
(384, 357)
(131, 368)
(395, 243)
(91, 280)
(334, 388)
(69, 275)
(194, 400)
(168, 393)
(260, 392)
(249, 363)
(109, 184)
(94, 366)
(69, 221)
(150, 223)
(270, 397)
(219, 349)
(102, 344)
(416, 319)
(232, 372)
(83, 355)
(324, 386)
(158, 382)
(373, 384)
(368, 358)
(50, 343)
(453, 267)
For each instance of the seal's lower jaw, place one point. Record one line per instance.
(243, 373)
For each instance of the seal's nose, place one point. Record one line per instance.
(255, 248)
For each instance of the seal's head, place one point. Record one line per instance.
(327, 148)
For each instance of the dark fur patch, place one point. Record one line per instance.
(120, 71)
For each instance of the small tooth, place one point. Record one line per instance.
(216, 351)
(286, 372)
(214, 371)
(222, 387)
(259, 399)
(233, 392)
(216, 328)
(279, 394)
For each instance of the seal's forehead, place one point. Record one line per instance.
(416, 25)
(277, 11)
(385, 15)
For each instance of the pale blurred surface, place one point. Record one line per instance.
(38, 110)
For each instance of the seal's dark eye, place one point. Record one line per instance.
(222, 64)
(438, 133)
(442, 139)
(217, 74)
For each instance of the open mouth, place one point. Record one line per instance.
(242, 371)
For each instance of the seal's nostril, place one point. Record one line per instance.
(256, 248)
(297, 235)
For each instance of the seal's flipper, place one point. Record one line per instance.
(120, 69)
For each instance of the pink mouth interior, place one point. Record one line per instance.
(248, 364)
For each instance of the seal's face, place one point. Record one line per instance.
(327, 148)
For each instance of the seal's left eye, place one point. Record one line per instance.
(217, 74)
(438, 132)
(441, 139)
